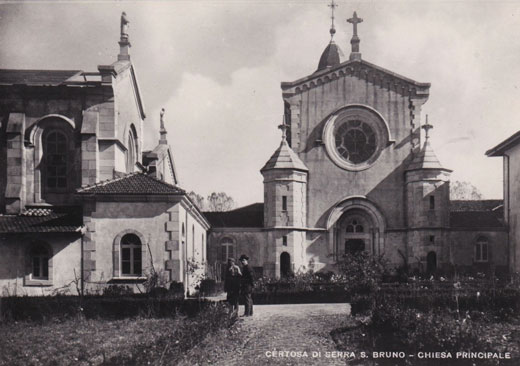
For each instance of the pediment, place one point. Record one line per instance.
(359, 69)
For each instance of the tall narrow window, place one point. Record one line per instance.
(482, 250)
(284, 240)
(227, 249)
(55, 153)
(40, 262)
(284, 203)
(131, 255)
(193, 240)
(203, 248)
(432, 202)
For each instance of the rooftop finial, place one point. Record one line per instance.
(162, 130)
(124, 41)
(332, 6)
(427, 127)
(284, 127)
(355, 54)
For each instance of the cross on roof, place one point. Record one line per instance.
(332, 6)
(355, 21)
(427, 127)
(284, 127)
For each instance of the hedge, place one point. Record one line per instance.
(93, 307)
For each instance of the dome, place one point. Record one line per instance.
(330, 56)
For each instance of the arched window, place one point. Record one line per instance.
(193, 239)
(131, 155)
(40, 255)
(131, 255)
(203, 248)
(227, 249)
(285, 264)
(482, 250)
(55, 159)
(355, 227)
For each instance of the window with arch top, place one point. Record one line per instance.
(131, 255)
(55, 159)
(355, 226)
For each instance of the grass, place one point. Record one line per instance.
(137, 341)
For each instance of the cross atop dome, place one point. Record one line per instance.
(332, 6)
(355, 54)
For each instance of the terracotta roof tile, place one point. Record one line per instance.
(47, 220)
(247, 216)
(475, 205)
(35, 77)
(132, 184)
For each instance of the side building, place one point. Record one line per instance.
(82, 206)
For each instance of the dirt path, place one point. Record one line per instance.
(279, 335)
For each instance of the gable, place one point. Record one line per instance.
(362, 70)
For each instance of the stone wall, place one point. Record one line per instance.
(64, 265)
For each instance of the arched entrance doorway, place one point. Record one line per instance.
(285, 264)
(431, 262)
(354, 224)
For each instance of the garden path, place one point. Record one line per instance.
(257, 340)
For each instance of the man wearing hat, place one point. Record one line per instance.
(247, 285)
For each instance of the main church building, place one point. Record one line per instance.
(355, 170)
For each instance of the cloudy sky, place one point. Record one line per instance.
(216, 67)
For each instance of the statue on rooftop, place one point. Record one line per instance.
(124, 25)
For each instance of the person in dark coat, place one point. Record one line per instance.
(247, 285)
(232, 284)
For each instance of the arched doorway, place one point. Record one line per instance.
(285, 264)
(431, 262)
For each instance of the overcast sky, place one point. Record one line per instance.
(216, 67)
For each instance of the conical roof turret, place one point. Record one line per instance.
(284, 157)
(426, 158)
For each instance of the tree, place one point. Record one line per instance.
(219, 202)
(464, 191)
(198, 200)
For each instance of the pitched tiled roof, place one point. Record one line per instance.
(284, 158)
(475, 205)
(476, 214)
(47, 220)
(132, 184)
(475, 220)
(247, 216)
(35, 77)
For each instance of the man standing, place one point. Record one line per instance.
(232, 285)
(247, 285)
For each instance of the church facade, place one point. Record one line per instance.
(83, 206)
(355, 170)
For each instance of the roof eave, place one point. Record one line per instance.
(505, 145)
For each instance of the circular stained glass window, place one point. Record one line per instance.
(355, 141)
(355, 137)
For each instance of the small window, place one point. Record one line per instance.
(193, 240)
(55, 153)
(355, 227)
(284, 240)
(131, 255)
(284, 203)
(40, 262)
(432, 239)
(432, 202)
(227, 249)
(482, 250)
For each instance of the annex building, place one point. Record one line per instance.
(82, 205)
(355, 170)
